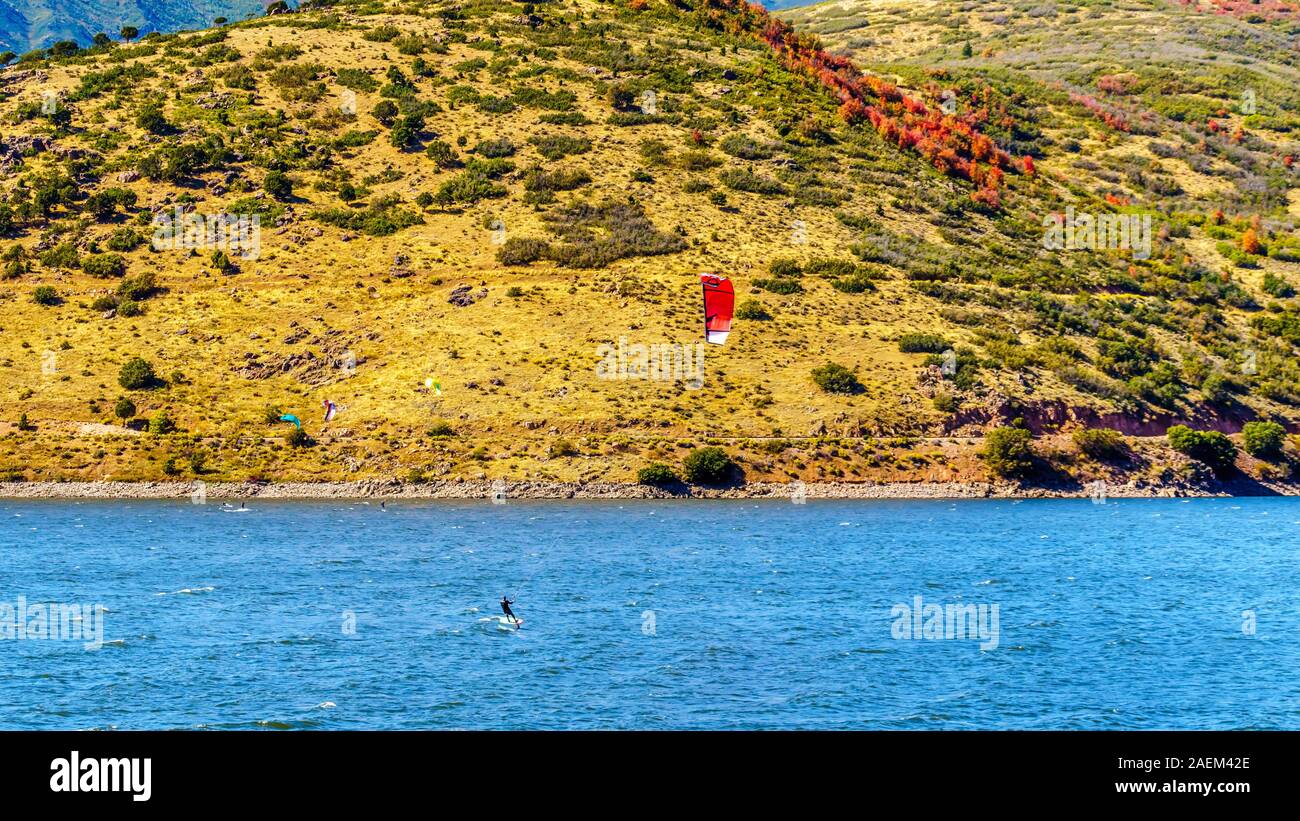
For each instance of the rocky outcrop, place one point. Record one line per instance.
(14, 149)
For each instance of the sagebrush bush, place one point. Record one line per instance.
(922, 343)
(657, 473)
(136, 374)
(708, 466)
(1008, 451)
(835, 378)
(1100, 443)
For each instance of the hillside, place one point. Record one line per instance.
(462, 203)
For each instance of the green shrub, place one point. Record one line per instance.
(785, 287)
(151, 119)
(858, 283)
(441, 429)
(385, 111)
(278, 185)
(744, 179)
(521, 251)
(1263, 440)
(657, 473)
(561, 179)
(136, 374)
(356, 79)
(745, 148)
(560, 448)
(1208, 446)
(124, 239)
(45, 295)
(557, 146)
(752, 309)
(442, 154)
(124, 408)
(161, 423)
(708, 466)
(1100, 443)
(382, 218)
(104, 266)
(784, 267)
(1277, 286)
(500, 147)
(63, 255)
(835, 378)
(1008, 451)
(467, 187)
(945, 402)
(922, 343)
(298, 438)
(138, 287)
(406, 131)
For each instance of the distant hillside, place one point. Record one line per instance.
(466, 209)
(29, 24)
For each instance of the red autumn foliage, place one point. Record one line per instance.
(1117, 83)
(1030, 169)
(1288, 160)
(1267, 9)
(950, 143)
(1110, 118)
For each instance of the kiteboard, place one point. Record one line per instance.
(504, 621)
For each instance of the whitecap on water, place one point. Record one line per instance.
(325, 705)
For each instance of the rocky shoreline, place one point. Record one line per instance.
(482, 489)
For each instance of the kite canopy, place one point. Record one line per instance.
(719, 303)
(330, 410)
(289, 417)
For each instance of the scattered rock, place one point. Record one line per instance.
(465, 295)
(401, 267)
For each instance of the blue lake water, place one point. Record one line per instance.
(698, 614)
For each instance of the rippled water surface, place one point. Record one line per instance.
(726, 614)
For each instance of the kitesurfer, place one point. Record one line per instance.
(505, 608)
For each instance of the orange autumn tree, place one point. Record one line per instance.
(1250, 241)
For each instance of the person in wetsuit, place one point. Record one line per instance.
(505, 608)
